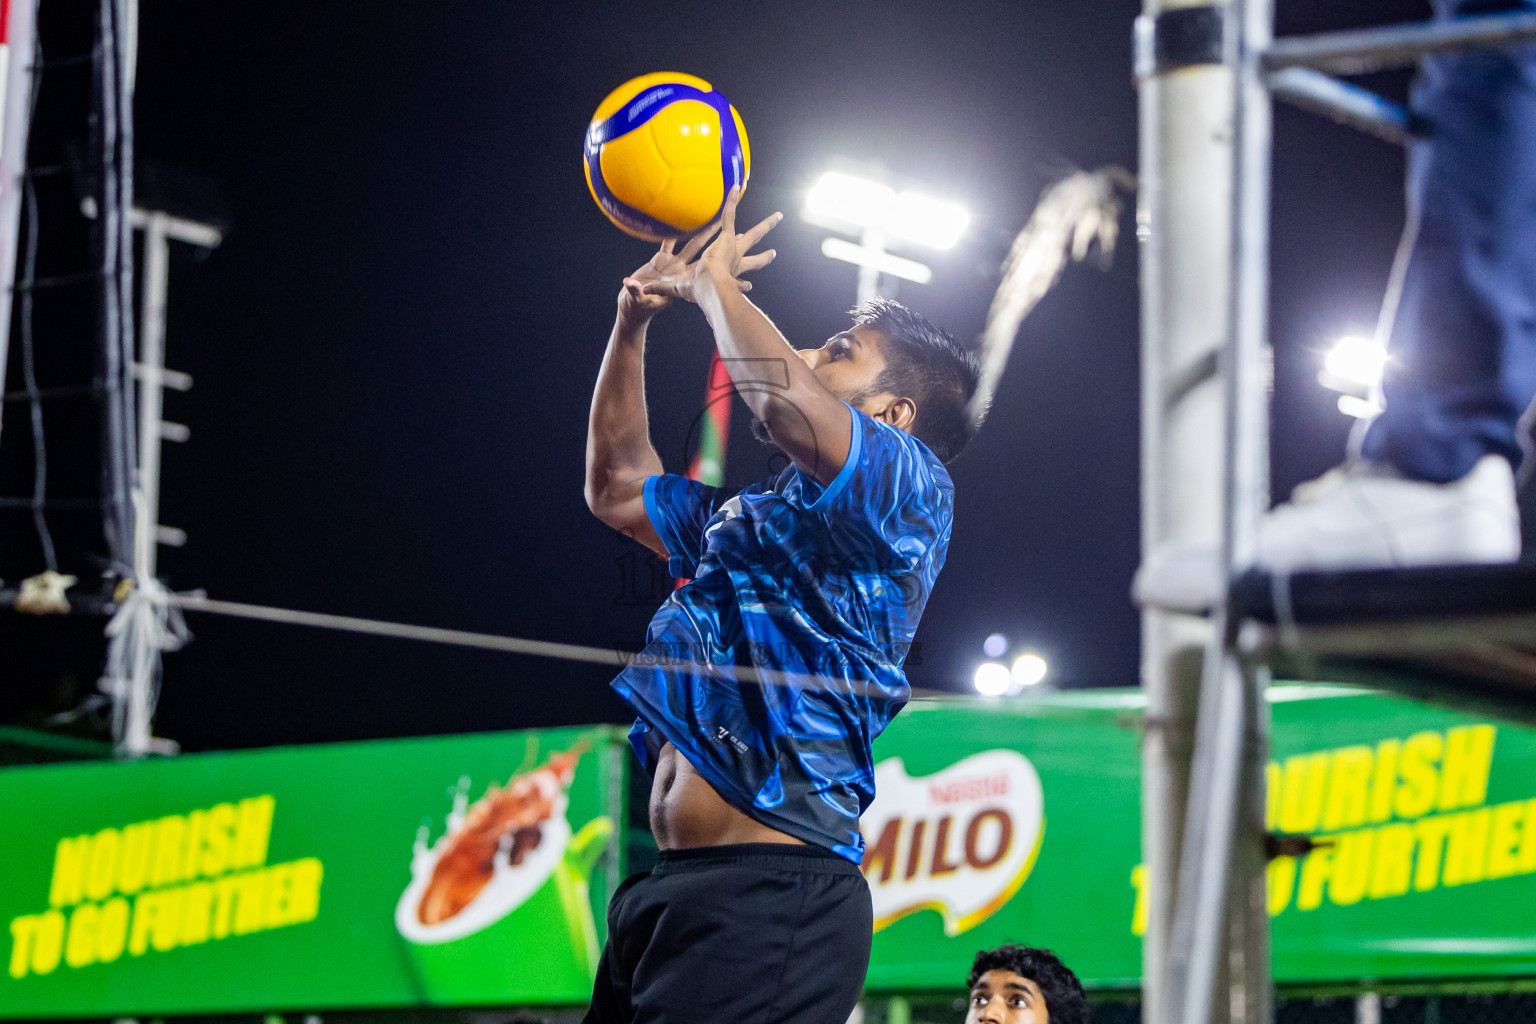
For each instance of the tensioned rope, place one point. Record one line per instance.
(403, 631)
(611, 657)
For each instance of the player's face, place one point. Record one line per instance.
(1002, 997)
(848, 364)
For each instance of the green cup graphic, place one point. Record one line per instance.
(527, 937)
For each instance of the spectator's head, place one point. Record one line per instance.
(1024, 985)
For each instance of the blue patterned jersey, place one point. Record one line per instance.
(817, 589)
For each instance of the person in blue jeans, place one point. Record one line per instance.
(1431, 480)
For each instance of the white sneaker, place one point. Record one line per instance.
(1366, 515)
(1361, 515)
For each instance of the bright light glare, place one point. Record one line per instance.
(995, 645)
(931, 222)
(862, 256)
(1359, 408)
(845, 200)
(1356, 361)
(1028, 670)
(843, 197)
(992, 679)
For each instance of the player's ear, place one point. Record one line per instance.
(900, 413)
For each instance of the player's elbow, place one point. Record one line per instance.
(600, 501)
(612, 501)
(599, 483)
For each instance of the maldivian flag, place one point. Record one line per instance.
(708, 466)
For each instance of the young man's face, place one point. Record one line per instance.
(1002, 997)
(848, 365)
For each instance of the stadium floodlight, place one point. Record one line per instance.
(994, 645)
(1028, 670)
(1359, 408)
(992, 679)
(852, 204)
(1356, 360)
(924, 220)
(1353, 367)
(880, 216)
(876, 259)
(842, 200)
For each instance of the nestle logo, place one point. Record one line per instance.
(969, 789)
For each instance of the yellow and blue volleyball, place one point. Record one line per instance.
(662, 152)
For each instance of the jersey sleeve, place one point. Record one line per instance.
(892, 499)
(679, 508)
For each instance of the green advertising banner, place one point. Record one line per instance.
(1005, 822)
(467, 870)
(1020, 822)
(474, 871)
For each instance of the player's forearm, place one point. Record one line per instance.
(619, 450)
(742, 331)
(806, 420)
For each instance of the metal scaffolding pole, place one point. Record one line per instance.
(1248, 376)
(1345, 103)
(1220, 921)
(1184, 224)
(1394, 46)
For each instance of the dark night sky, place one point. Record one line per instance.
(395, 348)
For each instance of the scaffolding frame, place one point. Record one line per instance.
(1207, 73)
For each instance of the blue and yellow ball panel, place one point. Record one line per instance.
(662, 152)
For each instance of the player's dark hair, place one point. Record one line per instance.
(925, 363)
(1063, 993)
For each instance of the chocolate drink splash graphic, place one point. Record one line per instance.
(504, 825)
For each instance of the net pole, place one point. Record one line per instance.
(114, 198)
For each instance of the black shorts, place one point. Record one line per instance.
(760, 933)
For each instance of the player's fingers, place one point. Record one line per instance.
(667, 245)
(728, 212)
(758, 230)
(633, 287)
(661, 289)
(700, 238)
(756, 261)
(745, 286)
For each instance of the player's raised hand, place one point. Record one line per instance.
(638, 306)
(728, 256)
